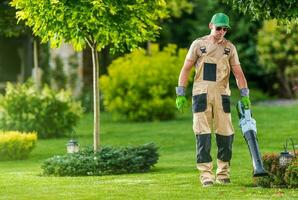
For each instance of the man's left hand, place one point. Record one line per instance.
(246, 102)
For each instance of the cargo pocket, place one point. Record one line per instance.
(226, 103)
(199, 103)
(209, 72)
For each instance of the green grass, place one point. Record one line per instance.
(175, 175)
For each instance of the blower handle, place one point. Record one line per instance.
(242, 112)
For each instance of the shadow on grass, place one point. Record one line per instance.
(174, 170)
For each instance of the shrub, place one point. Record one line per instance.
(291, 176)
(16, 145)
(49, 113)
(278, 176)
(108, 160)
(142, 87)
(277, 50)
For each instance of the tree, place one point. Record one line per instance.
(177, 7)
(120, 24)
(8, 22)
(262, 9)
(10, 28)
(277, 50)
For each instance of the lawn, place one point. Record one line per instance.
(175, 175)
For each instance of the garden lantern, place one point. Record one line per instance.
(285, 157)
(73, 146)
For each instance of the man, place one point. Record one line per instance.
(213, 57)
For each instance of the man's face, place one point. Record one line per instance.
(218, 32)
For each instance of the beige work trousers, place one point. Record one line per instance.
(213, 112)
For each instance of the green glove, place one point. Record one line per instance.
(181, 103)
(246, 102)
(244, 92)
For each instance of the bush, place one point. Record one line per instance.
(15, 145)
(277, 50)
(49, 113)
(108, 160)
(141, 87)
(278, 176)
(291, 176)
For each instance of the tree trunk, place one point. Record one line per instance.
(148, 49)
(285, 89)
(36, 74)
(21, 53)
(96, 100)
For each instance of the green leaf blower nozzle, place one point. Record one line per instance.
(249, 130)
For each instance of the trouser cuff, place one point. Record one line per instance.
(223, 169)
(206, 173)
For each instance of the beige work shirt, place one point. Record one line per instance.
(214, 50)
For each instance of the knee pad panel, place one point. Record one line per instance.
(224, 145)
(203, 148)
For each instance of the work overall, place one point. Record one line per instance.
(211, 112)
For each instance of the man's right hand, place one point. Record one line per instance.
(181, 103)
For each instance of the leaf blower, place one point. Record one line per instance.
(249, 130)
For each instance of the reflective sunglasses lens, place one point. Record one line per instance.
(219, 28)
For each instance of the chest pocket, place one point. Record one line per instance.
(209, 72)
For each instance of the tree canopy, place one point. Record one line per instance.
(177, 7)
(273, 9)
(121, 24)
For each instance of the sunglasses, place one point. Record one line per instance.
(223, 28)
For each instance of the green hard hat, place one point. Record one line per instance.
(220, 19)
